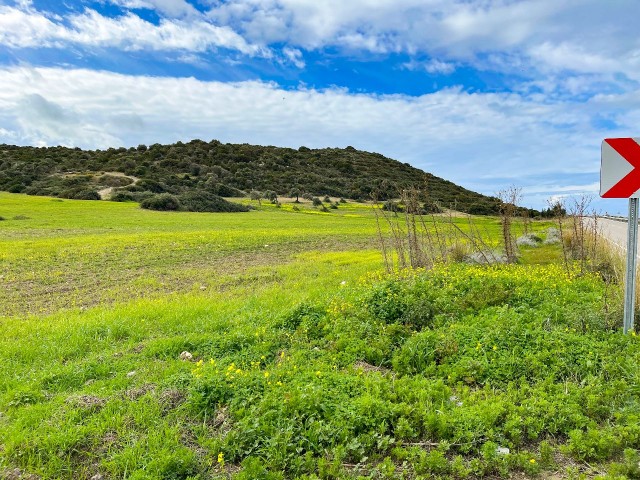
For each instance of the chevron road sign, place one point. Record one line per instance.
(620, 178)
(620, 168)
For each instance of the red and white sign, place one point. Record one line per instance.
(620, 168)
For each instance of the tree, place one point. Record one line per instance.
(271, 195)
(295, 192)
(256, 195)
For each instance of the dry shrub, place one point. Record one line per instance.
(412, 235)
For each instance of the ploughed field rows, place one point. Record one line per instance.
(308, 363)
(58, 254)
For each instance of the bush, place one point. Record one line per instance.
(431, 207)
(151, 186)
(80, 194)
(528, 240)
(122, 197)
(114, 180)
(391, 206)
(200, 201)
(87, 195)
(553, 236)
(163, 202)
(227, 191)
(316, 201)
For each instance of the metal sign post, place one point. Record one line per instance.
(630, 275)
(620, 178)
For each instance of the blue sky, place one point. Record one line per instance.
(485, 93)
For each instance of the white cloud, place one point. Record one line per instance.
(26, 28)
(588, 36)
(590, 40)
(482, 141)
(294, 56)
(432, 66)
(170, 8)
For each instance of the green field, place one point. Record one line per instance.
(307, 360)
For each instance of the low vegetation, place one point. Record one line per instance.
(226, 170)
(277, 347)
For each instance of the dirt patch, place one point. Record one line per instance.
(17, 474)
(88, 402)
(135, 393)
(367, 367)
(171, 399)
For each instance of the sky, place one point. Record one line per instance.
(486, 93)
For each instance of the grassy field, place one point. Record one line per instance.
(305, 359)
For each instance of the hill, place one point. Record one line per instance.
(223, 169)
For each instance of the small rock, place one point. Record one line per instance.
(97, 476)
(503, 451)
(186, 356)
(132, 373)
(202, 287)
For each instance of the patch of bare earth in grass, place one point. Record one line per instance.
(112, 279)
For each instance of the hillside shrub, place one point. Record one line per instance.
(80, 194)
(151, 186)
(200, 201)
(163, 202)
(114, 180)
(227, 170)
(122, 197)
(224, 190)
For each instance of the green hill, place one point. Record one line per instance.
(222, 169)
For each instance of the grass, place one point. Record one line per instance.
(79, 254)
(306, 360)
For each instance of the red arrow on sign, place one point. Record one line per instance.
(630, 183)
